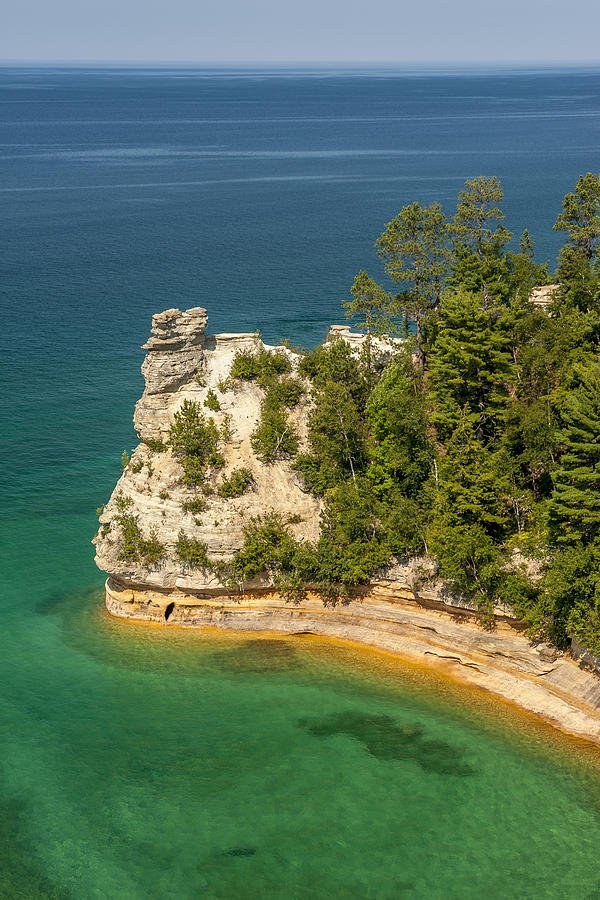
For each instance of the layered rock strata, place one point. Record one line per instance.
(536, 678)
(183, 363)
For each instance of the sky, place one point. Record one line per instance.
(288, 31)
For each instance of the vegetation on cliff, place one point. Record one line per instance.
(477, 441)
(474, 441)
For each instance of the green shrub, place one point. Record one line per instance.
(155, 445)
(268, 550)
(135, 547)
(245, 366)
(217, 460)
(151, 549)
(194, 440)
(316, 474)
(131, 537)
(234, 486)
(286, 392)
(164, 495)
(212, 401)
(274, 436)
(261, 366)
(224, 385)
(195, 506)
(123, 502)
(125, 459)
(336, 363)
(347, 554)
(191, 552)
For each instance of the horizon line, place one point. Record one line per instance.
(286, 64)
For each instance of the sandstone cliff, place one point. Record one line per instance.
(405, 609)
(184, 363)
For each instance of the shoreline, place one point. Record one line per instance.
(536, 678)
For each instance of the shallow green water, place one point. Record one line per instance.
(159, 763)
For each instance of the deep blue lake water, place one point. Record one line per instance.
(258, 195)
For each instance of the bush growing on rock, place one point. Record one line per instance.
(155, 445)
(194, 440)
(212, 401)
(195, 506)
(123, 502)
(191, 552)
(238, 482)
(261, 366)
(286, 392)
(275, 436)
(135, 547)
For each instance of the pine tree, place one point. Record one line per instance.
(479, 263)
(580, 216)
(470, 364)
(575, 507)
(579, 280)
(400, 451)
(473, 485)
(571, 597)
(415, 248)
(372, 306)
(526, 244)
(470, 515)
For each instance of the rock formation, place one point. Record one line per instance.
(183, 363)
(543, 296)
(404, 610)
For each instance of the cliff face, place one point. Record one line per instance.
(404, 610)
(184, 363)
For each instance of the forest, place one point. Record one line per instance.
(474, 441)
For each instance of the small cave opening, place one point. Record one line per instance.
(168, 610)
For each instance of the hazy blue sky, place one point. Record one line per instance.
(310, 30)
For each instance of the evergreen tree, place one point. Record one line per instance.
(575, 507)
(400, 451)
(371, 305)
(479, 263)
(414, 246)
(337, 439)
(470, 365)
(580, 216)
(526, 244)
(523, 274)
(579, 280)
(470, 515)
(194, 440)
(530, 440)
(570, 605)
(472, 483)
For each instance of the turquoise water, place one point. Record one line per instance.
(138, 763)
(151, 764)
